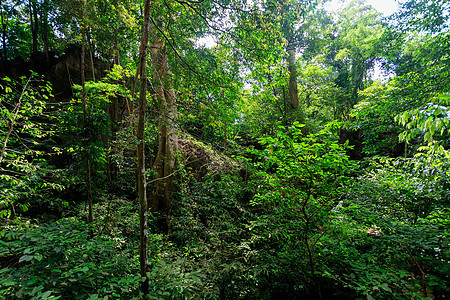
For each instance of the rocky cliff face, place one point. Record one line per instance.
(62, 72)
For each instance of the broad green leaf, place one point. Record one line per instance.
(26, 258)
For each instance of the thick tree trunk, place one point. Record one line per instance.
(289, 35)
(84, 98)
(44, 28)
(143, 258)
(164, 164)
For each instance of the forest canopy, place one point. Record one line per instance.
(224, 149)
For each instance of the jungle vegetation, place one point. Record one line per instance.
(224, 149)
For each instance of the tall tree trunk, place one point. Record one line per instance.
(44, 28)
(91, 46)
(287, 30)
(84, 97)
(5, 57)
(143, 259)
(293, 88)
(34, 25)
(92, 65)
(164, 164)
(289, 35)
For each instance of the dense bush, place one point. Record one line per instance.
(61, 260)
(395, 218)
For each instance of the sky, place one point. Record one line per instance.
(386, 7)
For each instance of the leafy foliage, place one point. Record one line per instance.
(59, 260)
(290, 218)
(402, 213)
(25, 175)
(429, 121)
(308, 174)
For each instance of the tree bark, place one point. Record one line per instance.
(164, 164)
(143, 258)
(289, 35)
(84, 98)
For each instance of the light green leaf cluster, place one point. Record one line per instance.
(428, 121)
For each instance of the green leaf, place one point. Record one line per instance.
(38, 256)
(9, 282)
(26, 258)
(386, 287)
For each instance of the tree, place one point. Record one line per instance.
(291, 14)
(24, 22)
(25, 176)
(174, 49)
(142, 186)
(421, 15)
(83, 97)
(353, 51)
(164, 165)
(280, 24)
(34, 24)
(419, 41)
(309, 174)
(4, 55)
(114, 29)
(318, 91)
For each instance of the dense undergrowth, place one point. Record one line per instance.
(253, 204)
(304, 222)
